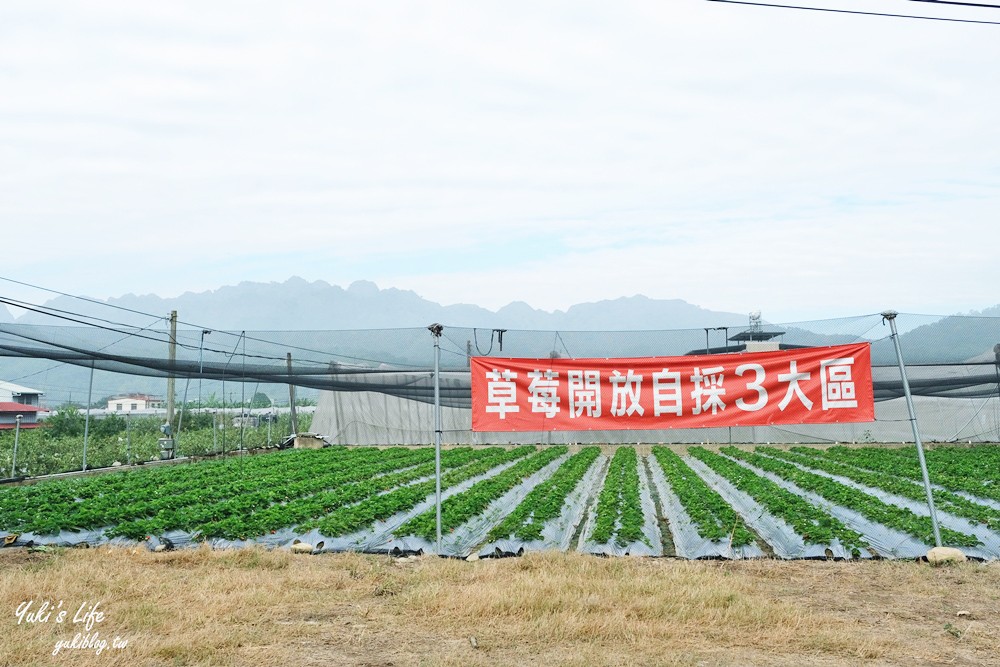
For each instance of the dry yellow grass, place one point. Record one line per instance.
(255, 607)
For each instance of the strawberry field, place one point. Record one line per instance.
(695, 502)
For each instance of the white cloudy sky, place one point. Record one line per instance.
(807, 164)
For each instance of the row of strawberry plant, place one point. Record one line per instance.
(168, 483)
(281, 515)
(893, 516)
(546, 501)
(231, 483)
(619, 510)
(346, 520)
(904, 462)
(944, 500)
(812, 524)
(229, 514)
(461, 507)
(712, 516)
(980, 462)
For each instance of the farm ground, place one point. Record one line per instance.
(257, 607)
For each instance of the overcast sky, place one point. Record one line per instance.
(806, 164)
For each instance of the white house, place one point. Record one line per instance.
(15, 393)
(134, 403)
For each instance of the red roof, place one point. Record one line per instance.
(20, 407)
(10, 427)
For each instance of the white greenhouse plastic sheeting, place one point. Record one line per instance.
(372, 418)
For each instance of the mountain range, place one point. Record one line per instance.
(297, 304)
(587, 329)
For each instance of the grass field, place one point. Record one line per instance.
(257, 607)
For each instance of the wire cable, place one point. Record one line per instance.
(961, 4)
(852, 11)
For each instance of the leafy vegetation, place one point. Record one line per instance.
(379, 508)
(711, 515)
(943, 500)
(812, 524)
(547, 500)
(867, 505)
(57, 446)
(974, 470)
(619, 510)
(461, 507)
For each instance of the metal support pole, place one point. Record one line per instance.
(180, 420)
(270, 418)
(172, 359)
(291, 398)
(128, 437)
(86, 423)
(201, 363)
(436, 330)
(17, 434)
(706, 342)
(890, 315)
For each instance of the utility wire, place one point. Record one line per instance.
(961, 4)
(851, 11)
(191, 324)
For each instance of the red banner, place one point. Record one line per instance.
(816, 385)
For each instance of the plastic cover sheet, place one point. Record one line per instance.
(782, 538)
(885, 541)
(988, 502)
(687, 542)
(64, 538)
(653, 544)
(378, 538)
(990, 548)
(466, 537)
(557, 533)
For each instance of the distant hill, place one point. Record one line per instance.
(956, 338)
(300, 305)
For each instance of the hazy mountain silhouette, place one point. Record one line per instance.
(316, 309)
(297, 304)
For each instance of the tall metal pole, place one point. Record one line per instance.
(128, 437)
(201, 363)
(890, 315)
(172, 358)
(706, 342)
(291, 398)
(996, 369)
(436, 330)
(270, 418)
(86, 423)
(17, 434)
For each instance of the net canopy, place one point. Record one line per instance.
(948, 358)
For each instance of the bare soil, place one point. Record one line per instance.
(257, 607)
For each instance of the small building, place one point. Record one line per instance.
(134, 403)
(15, 393)
(9, 411)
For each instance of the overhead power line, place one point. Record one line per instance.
(852, 11)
